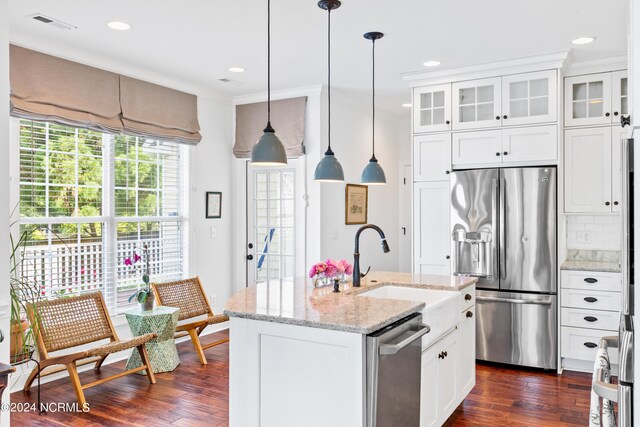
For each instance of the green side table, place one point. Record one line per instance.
(162, 351)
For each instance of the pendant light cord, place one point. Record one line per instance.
(373, 103)
(268, 63)
(329, 75)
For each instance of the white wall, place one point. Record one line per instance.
(4, 188)
(351, 141)
(405, 140)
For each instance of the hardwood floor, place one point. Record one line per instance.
(193, 395)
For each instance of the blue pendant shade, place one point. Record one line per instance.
(329, 168)
(269, 150)
(373, 173)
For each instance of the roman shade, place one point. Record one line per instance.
(287, 118)
(47, 88)
(44, 87)
(157, 112)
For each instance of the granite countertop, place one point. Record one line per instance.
(298, 302)
(587, 265)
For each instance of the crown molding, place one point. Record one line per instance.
(108, 64)
(598, 65)
(557, 60)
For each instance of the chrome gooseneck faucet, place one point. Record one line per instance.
(356, 253)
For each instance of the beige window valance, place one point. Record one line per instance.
(45, 87)
(287, 118)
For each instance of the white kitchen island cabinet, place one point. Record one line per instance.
(298, 354)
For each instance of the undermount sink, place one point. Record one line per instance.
(441, 313)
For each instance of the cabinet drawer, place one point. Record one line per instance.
(591, 300)
(591, 319)
(591, 280)
(580, 343)
(467, 297)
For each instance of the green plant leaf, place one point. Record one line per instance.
(142, 297)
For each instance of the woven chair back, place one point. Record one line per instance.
(70, 322)
(184, 294)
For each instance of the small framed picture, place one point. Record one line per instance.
(356, 200)
(214, 204)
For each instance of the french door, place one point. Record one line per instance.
(271, 222)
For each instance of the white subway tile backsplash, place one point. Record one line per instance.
(594, 232)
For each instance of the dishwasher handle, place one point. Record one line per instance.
(515, 301)
(395, 348)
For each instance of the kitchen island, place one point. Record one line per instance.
(298, 356)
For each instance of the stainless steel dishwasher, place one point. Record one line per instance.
(393, 373)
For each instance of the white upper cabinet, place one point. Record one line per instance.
(476, 104)
(530, 144)
(432, 157)
(432, 108)
(588, 170)
(588, 100)
(619, 95)
(529, 98)
(477, 148)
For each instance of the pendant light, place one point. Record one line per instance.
(373, 173)
(329, 168)
(269, 150)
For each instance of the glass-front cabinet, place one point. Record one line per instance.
(588, 100)
(476, 104)
(529, 98)
(432, 108)
(619, 95)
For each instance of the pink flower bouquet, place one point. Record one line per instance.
(330, 269)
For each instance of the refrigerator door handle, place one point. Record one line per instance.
(502, 231)
(494, 226)
(515, 301)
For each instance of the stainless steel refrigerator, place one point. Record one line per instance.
(504, 233)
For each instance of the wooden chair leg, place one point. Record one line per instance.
(213, 344)
(99, 363)
(32, 376)
(75, 381)
(196, 343)
(145, 360)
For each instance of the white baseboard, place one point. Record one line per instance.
(18, 378)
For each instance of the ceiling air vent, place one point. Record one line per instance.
(52, 21)
(230, 81)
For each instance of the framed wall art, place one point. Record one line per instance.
(356, 204)
(214, 204)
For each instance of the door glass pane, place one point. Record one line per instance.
(624, 90)
(624, 86)
(425, 117)
(485, 94)
(467, 96)
(517, 90)
(438, 116)
(438, 99)
(518, 108)
(539, 87)
(539, 106)
(595, 90)
(580, 110)
(595, 108)
(468, 113)
(624, 105)
(579, 91)
(425, 100)
(485, 112)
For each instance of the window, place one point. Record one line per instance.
(89, 200)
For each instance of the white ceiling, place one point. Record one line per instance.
(197, 40)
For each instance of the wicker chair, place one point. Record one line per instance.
(70, 322)
(189, 297)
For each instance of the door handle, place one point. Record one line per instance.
(502, 232)
(404, 231)
(514, 300)
(395, 348)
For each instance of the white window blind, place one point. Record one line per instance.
(90, 200)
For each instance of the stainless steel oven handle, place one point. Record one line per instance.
(395, 348)
(515, 301)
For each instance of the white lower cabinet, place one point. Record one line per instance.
(431, 229)
(439, 383)
(467, 353)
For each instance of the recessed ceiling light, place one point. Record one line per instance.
(583, 40)
(118, 25)
(407, 105)
(431, 63)
(237, 69)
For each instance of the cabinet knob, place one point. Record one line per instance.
(469, 314)
(448, 172)
(497, 117)
(607, 114)
(504, 117)
(448, 257)
(607, 203)
(467, 297)
(615, 203)
(448, 122)
(505, 153)
(498, 154)
(615, 113)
